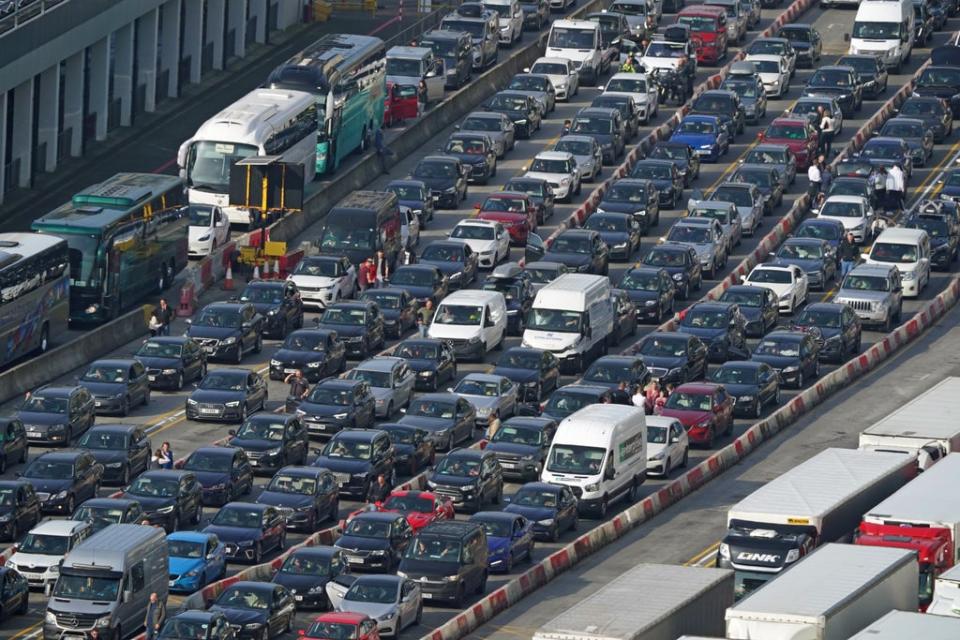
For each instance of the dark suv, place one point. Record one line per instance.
(469, 477)
(54, 415)
(63, 479)
(356, 458)
(334, 405)
(278, 302)
(359, 324)
(449, 560)
(227, 330)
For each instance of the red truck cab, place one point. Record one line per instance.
(708, 31)
(796, 133)
(704, 409)
(932, 544)
(399, 103)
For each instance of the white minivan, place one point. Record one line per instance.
(578, 41)
(600, 452)
(884, 28)
(571, 317)
(909, 251)
(474, 321)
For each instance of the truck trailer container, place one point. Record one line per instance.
(648, 602)
(820, 500)
(923, 516)
(901, 625)
(926, 427)
(834, 593)
(946, 594)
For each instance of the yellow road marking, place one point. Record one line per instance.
(703, 554)
(937, 171)
(26, 631)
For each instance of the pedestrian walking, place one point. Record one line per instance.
(383, 152)
(421, 97)
(164, 313)
(156, 613)
(828, 129)
(382, 270)
(814, 177)
(424, 318)
(299, 388)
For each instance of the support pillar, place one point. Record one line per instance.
(73, 102)
(147, 27)
(216, 13)
(170, 49)
(3, 143)
(48, 116)
(258, 10)
(193, 38)
(237, 17)
(123, 72)
(21, 142)
(98, 102)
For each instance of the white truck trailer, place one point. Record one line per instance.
(946, 594)
(901, 625)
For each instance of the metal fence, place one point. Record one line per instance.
(14, 13)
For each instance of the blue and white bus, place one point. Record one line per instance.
(347, 74)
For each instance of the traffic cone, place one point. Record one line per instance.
(267, 275)
(256, 271)
(276, 268)
(228, 278)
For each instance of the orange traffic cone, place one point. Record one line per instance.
(276, 268)
(267, 275)
(256, 271)
(228, 278)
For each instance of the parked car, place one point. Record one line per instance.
(814, 256)
(477, 152)
(720, 326)
(333, 405)
(446, 177)
(680, 261)
(227, 330)
(195, 560)
(306, 495)
(875, 293)
(278, 302)
(55, 415)
(539, 191)
(209, 228)
(457, 261)
(447, 417)
(551, 508)
(227, 394)
(652, 290)
(534, 372)
(673, 357)
(248, 530)
(391, 381)
(415, 195)
(681, 155)
(324, 279)
(619, 231)
(124, 450)
(581, 250)
(794, 354)
(305, 573)
(224, 473)
(62, 479)
(470, 477)
(668, 445)
(705, 409)
(509, 538)
(915, 133)
(496, 125)
(117, 385)
(637, 197)
(570, 398)
(421, 281)
(412, 448)
(758, 305)
(665, 176)
(318, 353)
(354, 625)
(356, 457)
(393, 601)
(172, 360)
(788, 282)
(262, 609)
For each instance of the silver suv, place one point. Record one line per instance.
(875, 293)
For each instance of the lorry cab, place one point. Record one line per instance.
(413, 65)
(362, 224)
(579, 41)
(708, 31)
(884, 28)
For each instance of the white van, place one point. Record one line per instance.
(572, 317)
(474, 321)
(884, 28)
(600, 452)
(578, 41)
(39, 555)
(909, 251)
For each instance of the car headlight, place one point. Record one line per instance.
(165, 509)
(658, 456)
(706, 146)
(521, 121)
(314, 365)
(229, 340)
(191, 402)
(273, 312)
(650, 303)
(169, 372)
(340, 416)
(193, 573)
(674, 372)
(528, 458)
(590, 488)
(745, 399)
(378, 552)
(253, 626)
(909, 275)
(50, 617)
(545, 523)
(113, 465)
(678, 277)
(272, 452)
(231, 405)
(57, 428)
(456, 276)
(621, 245)
(565, 180)
(785, 296)
(220, 486)
(787, 370)
(426, 374)
(474, 340)
(316, 590)
(450, 190)
(724, 551)
(61, 495)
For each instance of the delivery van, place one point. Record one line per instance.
(473, 321)
(909, 251)
(884, 28)
(578, 41)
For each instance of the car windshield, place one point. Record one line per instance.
(633, 193)
(319, 267)
(795, 35)
(820, 231)
(366, 528)
(329, 396)
(153, 487)
(520, 360)
(259, 429)
(105, 373)
(640, 281)
(501, 102)
(818, 318)
(433, 548)
(208, 461)
(336, 237)
(592, 124)
(468, 232)
(713, 104)
(759, 177)
(332, 631)
(656, 434)
(849, 187)
(611, 372)
(763, 156)
(223, 381)
(104, 440)
(903, 130)
(863, 66)
(418, 351)
(458, 314)
(535, 498)
(786, 132)
(919, 108)
(834, 209)
(433, 169)
(882, 150)
(402, 435)
(689, 233)
(549, 68)
(304, 565)
(468, 387)
(935, 227)
(782, 348)
(386, 299)
(263, 294)
(414, 277)
(380, 379)
(939, 76)
(543, 276)
(615, 223)
(770, 276)
(41, 404)
(744, 298)
(893, 252)
(200, 215)
(734, 374)
(404, 192)
(44, 544)
(409, 504)
(743, 88)
(348, 449)
(547, 165)
(481, 124)
(663, 347)
(876, 30)
(495, 528)
(152, 349)
(627, 85)
(510, 205)
(575, 459)
(528, 83)
(87, 587)
(305, 342)
(554, 320)
(689, 401)
(713, 213)
(698, 24)
(705, 319)
(245, 598)
(432, 409)
(664, 50)
(185, 549)
(443, 48)
(530, 187)
(473, 27)
(665, 258)
(49, 469)
(512, 434)
(572, 244)
(509, 290)
(767, 47)
(738, 196)
(650, 171)
(766, 66)
(576, 147)
(345, 315)
(218, 318)
(561, 38)
(698, 127)
(299, 485)
(800, 251)
(864, 283)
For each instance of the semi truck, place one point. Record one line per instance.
(898, 625)
(648, 602)
(834, 593)
(926, 427)
(820, 500)
(946, 594)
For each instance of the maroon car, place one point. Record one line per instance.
(798, 134)
(706, 411)
(517, 212)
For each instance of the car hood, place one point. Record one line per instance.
(614, 237)
(576, 55)
(296, 358)
(768, 78)
(517, 375)
(452, 481)
(695, 140)
(799, 46)
(342, 465)
(179, 566)
(362, 543)
(428, 423)
(642, 295)
(372, 609)
(807, 265)
(687, 417)
(481, 402)
(42, 419)
(296, 582)
(543, 175)
(826, 91)
(513, 114)
(556, 341)
(650, 62)
(738, 390)
(938, 90)
(467, 158)
(105, 389)
(416, 291)
(210, 478)
(446, 268)
(569, 259)
(216, 395)
(705, 334)
(858, 294)
(454, 331)
(778, 289)
(202, 331)
(531, 513)
(153, 362)
(848, 223)
(481, 246)
(404, 80)
(288, 500)
(621, 207)
(254, 444)
(314, 282)
(233, 534)
(150, 503)
(512, 448)
(235, 615)
(664, 362)
(36, 559)
(539, 96)
(557, 80)
(323, 410)
(777, 362)
(264, 307)
(422, 364)
(49, 485)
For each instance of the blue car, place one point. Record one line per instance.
(951, 185)
(248, 530)
(509, 538)
(552, 508)
(706, 135)
(416, 195)
(196, 560)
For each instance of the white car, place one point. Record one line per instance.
(209, 228)
(560, 170)
(668, 445)
(637, 86)
(789, 282)
(586, 150)
(409, 228)
(853, 211)
(41, 552)
(562, 73)
(774, 71)
(488, 239)
(662, 54)
(324, 280)
(392, 601)
(509, 19)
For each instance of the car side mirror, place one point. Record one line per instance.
(609, 473)
(846, 37)
(588, 332)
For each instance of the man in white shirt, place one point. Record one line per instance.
(895, 188)
(827, 131)
(814, 176)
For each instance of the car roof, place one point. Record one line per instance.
(247, 505)
(379, 516)
(67, 455)
(466, 452)
(404, 182)
(380, 363)
(773, 267)
(786, 334)
(483, 377)
(530, 422)
(796, 240)
(544, 264)
(554, 155)
(790, 120)
(702, 117)
(165, 473)
(226, 452)
(873, 269)
(656, 162)
(319, 551)
(562, 61)
(578, 233)
(108, 502)
(357, 435)
(712, 305)
(227, 306)
(338, 383)
(436, 157)
(576, 137)
(763, 57)
(494, 516)
(847, 199)
(905, 119)
(232, 371)
(437, 397)
(59, 527)
(267, 284)
(114, 362)
(55, 391)
(698, 387)
(251, 585)
(835, 307)
(745, 364)
(301, 471)
(113, 427)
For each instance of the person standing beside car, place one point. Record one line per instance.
(156, 613)
(849, 255)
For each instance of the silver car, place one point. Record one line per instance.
(706, 240)
(747, 198)
(491, 395)
(875, 294)
(587, 152)
(394, 602)
(725, 213)
(777, 156)
(538, 87)
(496, 125)
(391, 381)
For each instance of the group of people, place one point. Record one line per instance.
(653, 397)
(374, 272)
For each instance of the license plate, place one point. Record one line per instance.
(33, 434)
(355, 559)
(436, 198)
(298, 598)
(426, 596)
(508, 465)
(208, 349)
(97, 403)
(152, 378)
(289, 370)
(209, 412)
(172, 582)
(254, 463)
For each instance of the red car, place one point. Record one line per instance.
(336, 626)
(706, 411)
(708, 31)
(399, 104)
(517, 212)
(795, 132)
(419, 507)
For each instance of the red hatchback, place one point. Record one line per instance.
(399, 104)
(517, 212)
(419, 507)
(337, 626)
(796, 133)
(706, 411)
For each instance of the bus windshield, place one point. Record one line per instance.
(208, 166)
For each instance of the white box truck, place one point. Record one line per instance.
(927, 426)
(831, 595)
(901, 625)
(648, 602)
(946, 594)
(820, 500)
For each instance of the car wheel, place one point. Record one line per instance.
(603, 508)
(239, 358)
(124, 476)
(554, 534)
(711, 440)
(243, 412)
(800, 379)
(666, 468)
(258, 554)
(461, 596)
(71, 503)
(258, 347)
(389, 410)
(759, 409)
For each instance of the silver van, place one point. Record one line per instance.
(105, 583)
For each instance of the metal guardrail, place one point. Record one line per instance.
(422, 25)
(16, 13)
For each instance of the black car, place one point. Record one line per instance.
(680, 261)
(55, 415)
(629, 113)
(753, 385)
(610, 371)
(915, 133)
(673, 357)
(871, 73)
(356, 457)
(447, 417)
(334, 405)
(446, 177)
(196, 625)
(720, 326)
(476, 151)
(412, 448)
(536, 13)
(227, 330)
(815, 256)
(934, 111)
(680, 154)
(124, 450)
(552, 508)
(398, 306)
(835, 327)
(624, 316)
(637, 197)
(116, 385)
(434, 361)
(795, 355)
(521, 445)
(306, 571)
(517, 289)
(375, 541)
(318, 353)
(224, 473)
(260, 610)
(279, 303)
(171, 361)
(103, 512)
(13, 442)
(248, 530)
(723, 104)
(944, 237)
(307, 495)
(605, 126)
(20, 508)
(61, 479)
(805, 40)
(359, 324)
(571, 398)
(455, 260)
(422, 281)
(758, 305)
(536, 372)
(272, 441)
(469, 477)
(620, 232)
(416, 195)
(539, 191)
(923, 24)
(521, 108)
(665, 176)
(839, 83)
(227, 395)
(652, 290)
(581, 250)
(14, 593)
(169, 497)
